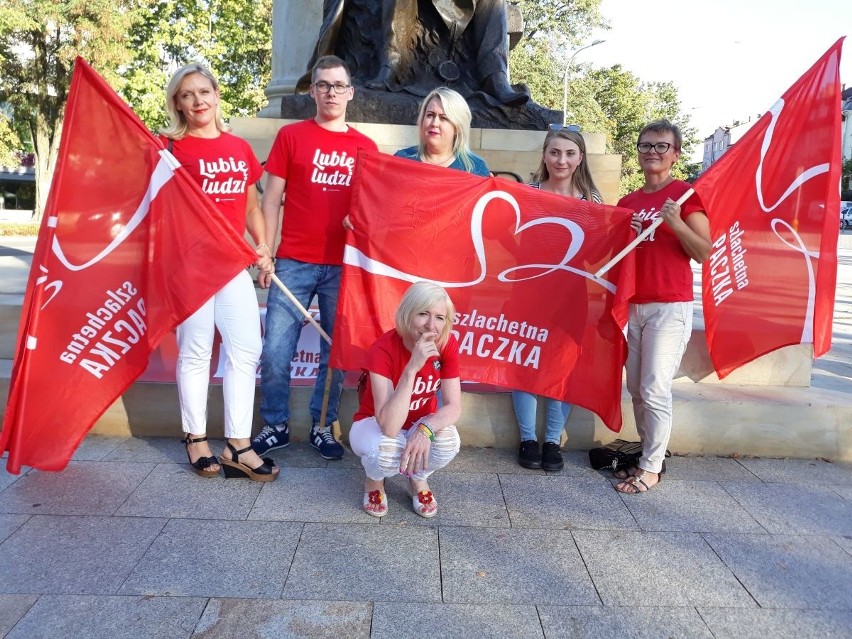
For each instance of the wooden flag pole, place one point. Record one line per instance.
(301, 308)
(606, 267)
(328, 373)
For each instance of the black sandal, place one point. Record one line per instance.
(202, 465)
(625, 473)
(233, 468)
(634, 482)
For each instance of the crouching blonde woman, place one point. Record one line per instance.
(398, 427)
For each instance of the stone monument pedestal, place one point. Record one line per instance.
(506, 151)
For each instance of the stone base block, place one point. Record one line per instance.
(509, 151)
(788, 366)
(709, 419)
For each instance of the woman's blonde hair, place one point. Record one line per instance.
(177, 125)
(582, 178)
(458, 113)
(421, 296)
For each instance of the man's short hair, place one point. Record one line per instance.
(663, 126)
(330, 62)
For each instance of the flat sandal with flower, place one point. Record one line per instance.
(375, 503)
(424, 504)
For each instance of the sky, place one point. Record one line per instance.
(729, 59)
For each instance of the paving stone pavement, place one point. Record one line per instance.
(127, 542)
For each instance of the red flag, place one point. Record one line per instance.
(128, 248)
(518, 264)
(772, 201)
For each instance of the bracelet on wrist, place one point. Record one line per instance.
(262, 245)
(423, 427)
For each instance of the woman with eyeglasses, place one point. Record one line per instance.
(563, 170)
(660, 313)
(225, 168)
(444, 127)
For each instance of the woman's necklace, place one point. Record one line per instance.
(442, 160)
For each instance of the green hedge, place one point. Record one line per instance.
(10, 229)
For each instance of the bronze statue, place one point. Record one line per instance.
(422, 44)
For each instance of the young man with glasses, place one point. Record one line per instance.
(313, 162)
(660, 319)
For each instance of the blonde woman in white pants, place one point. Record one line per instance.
(398, 427)
(225, 168)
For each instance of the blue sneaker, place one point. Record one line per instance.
(323, 440)
(271, 438)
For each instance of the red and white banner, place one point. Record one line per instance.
(772, 201)
(128, 248)
(518, 264)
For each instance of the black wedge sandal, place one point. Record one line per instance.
(234, 469)
(202, 465)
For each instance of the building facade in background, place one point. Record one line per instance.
(724, 138)
(17, 186)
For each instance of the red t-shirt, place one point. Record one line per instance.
(223, 167)
(663, 273)
(388, 357)
(318, 165)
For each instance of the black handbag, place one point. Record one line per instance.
(619, 454)
(616, 455)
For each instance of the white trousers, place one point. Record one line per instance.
(233, 310)
(381, 455)
(657, 335)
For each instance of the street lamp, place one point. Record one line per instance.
(565, 79)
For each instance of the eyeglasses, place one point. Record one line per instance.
(659, 147)
(325, 87)
(562, 127)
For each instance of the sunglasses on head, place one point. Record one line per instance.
(565, 127)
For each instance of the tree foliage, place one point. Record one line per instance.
(574, 20)
(612, 100)
(232, 37)
(135, 45)
(10, 142)
(39, 40)
(846, 179)
(629, 104)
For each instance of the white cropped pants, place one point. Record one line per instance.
(380, 455)
(657, 334)
(233, 310)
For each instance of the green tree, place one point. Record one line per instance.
(232, 37)
(575, 20)
(10, 142)
(39, 40)
(536, 63)
(846, 180)
(629, 104)
(134, 45)
(612, 101)
(552, 32)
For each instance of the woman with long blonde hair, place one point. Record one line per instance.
(225, 168)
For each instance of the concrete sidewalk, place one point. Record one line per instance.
(127, 542)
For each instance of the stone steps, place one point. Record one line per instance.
(764, 421)
(766, 408)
